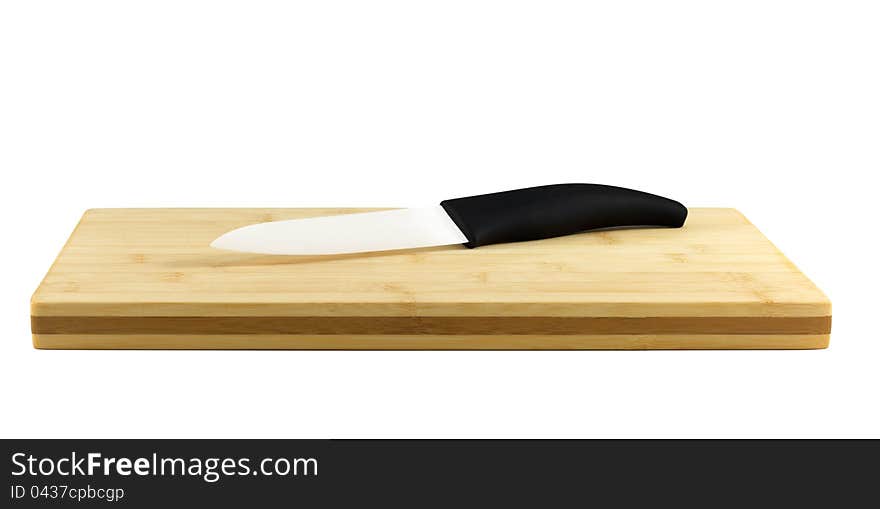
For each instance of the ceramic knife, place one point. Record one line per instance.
(509, 216)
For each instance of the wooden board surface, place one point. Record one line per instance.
(146, 278)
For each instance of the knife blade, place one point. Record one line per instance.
(346, 233)
(509, 216)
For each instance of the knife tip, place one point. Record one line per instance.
(219, 243)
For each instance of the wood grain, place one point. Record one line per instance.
(428, 325)
(135, 274)
(429, 342)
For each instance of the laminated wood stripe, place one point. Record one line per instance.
(425, 342)
(383, 325)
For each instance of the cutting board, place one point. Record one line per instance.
(146, 278)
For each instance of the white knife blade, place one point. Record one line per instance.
(346, 233)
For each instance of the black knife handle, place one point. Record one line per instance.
(553, 211)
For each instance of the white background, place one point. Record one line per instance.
(772, 107)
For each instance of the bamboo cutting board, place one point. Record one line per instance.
(146, 278)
